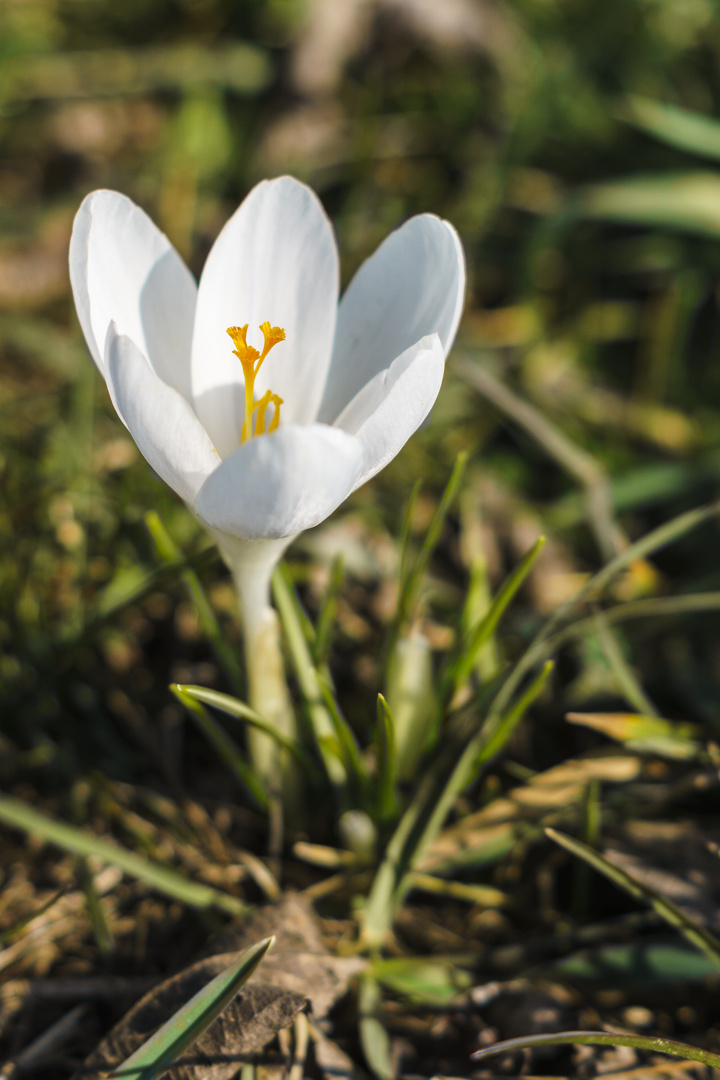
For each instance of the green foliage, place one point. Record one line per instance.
(482, 632)
(431, 982)
(575, 147)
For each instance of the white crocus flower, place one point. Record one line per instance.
(336, 396)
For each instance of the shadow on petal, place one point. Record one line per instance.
(223, 409)
(167, 319)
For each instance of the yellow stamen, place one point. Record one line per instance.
(251, 361)
(272, 335)
(277, 402)
(260, 409)
(268, 398)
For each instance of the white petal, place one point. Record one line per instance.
(412, 286)
(123, 269)
(168, 434)
(276, 259)
(279, 484)
(393, 405)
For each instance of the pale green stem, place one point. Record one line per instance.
(252, 564)
(412, 700)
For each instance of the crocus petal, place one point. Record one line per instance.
(123, 269)
(279, 484)
(412, 286)
(167, 432)
(276, 260)
(388, 409)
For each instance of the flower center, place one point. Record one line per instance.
(251, 361)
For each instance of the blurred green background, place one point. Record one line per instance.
(573, 145)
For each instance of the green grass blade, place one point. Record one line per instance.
(158, 1053)
(321, 721)
(423, 980)
(339, 743)
(697, 935)
(410, 689)
(426, 813)
(240, 711)
(374, 1037)
(354, 763)
(655, 607)
(478, 601)
(665, 534)
(603, 1038)
(496, 739)
(482, 633)
(78, 842)
(687, 202)
(95, 909)
(441, 511)
(485, 895)
(327, 613)
(549, 637)
(169, 552)
(481, 749)
(404, 544)
(7, 936)
(623, 672)
(685, 130)
(226, 749)
(385, 743)
(413, 571)
(134, 584)
(379, 909)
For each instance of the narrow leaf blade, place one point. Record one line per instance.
(374, 1037)
(412, 570)
(482, 633)
(426, 813)
(602, 1038)
(690, 131)
(386, 760)
(171, 555)
(158, 1053)
(234, 707)
(228, 752)
(167, 881)
(321, 719)
(697, 935)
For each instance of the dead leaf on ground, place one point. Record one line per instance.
(299, 962)
(298, 971)
(252, 1019)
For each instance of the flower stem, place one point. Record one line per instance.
(252, 564)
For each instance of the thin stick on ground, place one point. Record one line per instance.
(576, 461)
